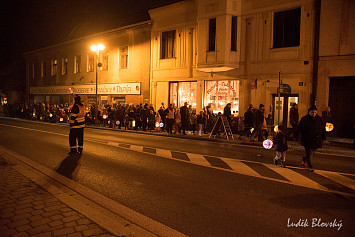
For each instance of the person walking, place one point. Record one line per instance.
(258, 123)
(280, 142)
(312, 132)
(200, 122)
(77, 124)
(294, 118)
(248, 121)
(184, 117)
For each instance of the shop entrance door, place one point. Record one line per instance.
(281, 108)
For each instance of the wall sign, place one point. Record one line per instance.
(103, 89)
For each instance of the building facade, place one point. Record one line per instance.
(121, 69)
(214, 52)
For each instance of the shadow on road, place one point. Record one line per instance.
(69, 167)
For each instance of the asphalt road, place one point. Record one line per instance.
(194, 199)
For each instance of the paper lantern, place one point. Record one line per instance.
(329, 127)
(267, 144)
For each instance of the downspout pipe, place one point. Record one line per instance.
(317, 8)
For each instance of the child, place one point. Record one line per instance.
(193, 121)
(200, 122)
(280, 141)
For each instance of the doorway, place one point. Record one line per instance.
(281, 108)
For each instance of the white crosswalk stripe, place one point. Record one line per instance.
(295, 178)
(350, 183)
(240, 167)
(198, 159)
(163, 153)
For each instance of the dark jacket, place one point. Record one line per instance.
(248, 119)
(312, 131)
(258, 118)
(280, 142)
(184, 113)
(294, 117)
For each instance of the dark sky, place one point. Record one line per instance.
(32, 24)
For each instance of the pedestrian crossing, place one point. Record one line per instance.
(328, 181)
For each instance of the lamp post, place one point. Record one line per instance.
(96, 49)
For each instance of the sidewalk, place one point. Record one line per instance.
(28, 210)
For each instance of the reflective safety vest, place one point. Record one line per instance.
(77, 117)
(170, 114)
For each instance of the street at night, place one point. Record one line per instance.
(197, 187)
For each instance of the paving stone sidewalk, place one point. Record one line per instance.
(28, 210)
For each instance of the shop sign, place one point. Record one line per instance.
(103, 89)
(285, 89)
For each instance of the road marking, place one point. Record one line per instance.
(113, 143)
(295, 177)
(236, 165)
(136, 148)
(163, 153)
(240, 167)
(198, 159)
(350, 183)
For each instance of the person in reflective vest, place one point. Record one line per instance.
(77, 124)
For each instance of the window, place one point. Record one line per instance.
(33, 70)
(212, 35)
(65, 66)
(123, 60)
(77, 64)
(287, 28)
(219, 93)
(54, 63)
(43, 69)
(168, 44)
(234, 33)
(181, 92)
(91, 62)
(104, 60)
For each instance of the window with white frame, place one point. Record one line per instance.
(77, 64)
(54, 65)
(91, 62)
(168, 44)
(104, 60)
(123, 60)
(64, 66)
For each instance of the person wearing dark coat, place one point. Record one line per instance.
(294, 118)
(258, 123)
(312, 134)
(184, 117)
(248, 121)
(228, 113)
(280, 141)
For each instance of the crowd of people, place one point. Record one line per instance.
(170, 119)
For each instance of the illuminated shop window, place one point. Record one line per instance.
(181, 92)
(220, 93)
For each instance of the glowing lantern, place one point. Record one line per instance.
(251, 130)
(109, 122)
(41, 118)
(118, 122)
(133, 123)
(104, 116)
(61, 119)
(161, 125)
(276, 128)
(51, 115)
(329, 127)
(157, 124)
(267, 144)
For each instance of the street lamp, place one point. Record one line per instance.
(97, 48)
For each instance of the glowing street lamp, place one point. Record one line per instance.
(97, 48)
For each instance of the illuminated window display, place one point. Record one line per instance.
(183, 91)
(220, 93)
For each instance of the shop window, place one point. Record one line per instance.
(65, 66)
(123, 60)
(212, 35)
(234, 33)
(287, 28)
(54, 63)
(168, 44)
(181, 92)
(77, 64)
(91, 62)
(220, 93)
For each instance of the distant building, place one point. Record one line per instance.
(122, 68)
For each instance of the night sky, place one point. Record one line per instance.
(32, 24)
